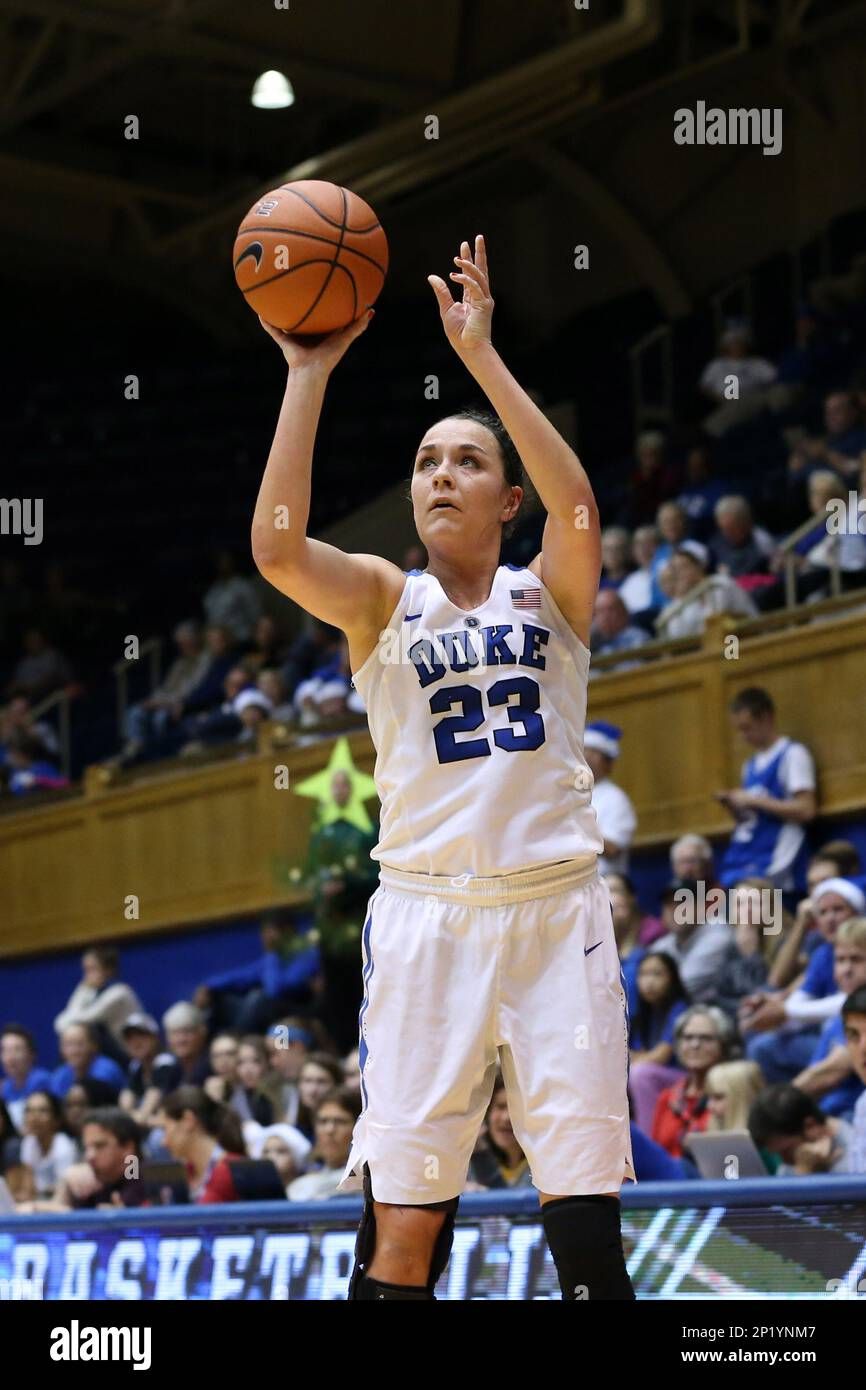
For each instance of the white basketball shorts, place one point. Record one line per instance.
(466, 975)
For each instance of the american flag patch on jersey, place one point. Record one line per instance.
(526, 598)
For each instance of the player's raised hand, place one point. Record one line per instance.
(324, 352)
(467, 322)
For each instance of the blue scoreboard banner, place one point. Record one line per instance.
(799, 1239)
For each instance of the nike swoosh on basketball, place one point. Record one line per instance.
(587, 950)
(256, 250)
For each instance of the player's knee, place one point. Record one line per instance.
(406, 1234)
(585, 1240)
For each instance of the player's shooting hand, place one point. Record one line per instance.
(322, 352)
(467, 322)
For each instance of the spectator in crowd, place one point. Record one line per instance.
(289, 1044)
(660, 1001)
(854, 1019)
(333, 1121)
(26, 767)
(808, 359)
(268, 649)
(614, 811)
(704, 1036)
(102, 1000)
(223, 1080)
(21, 1075)
(790, 1124)
(352, 1069)
(823, 549)
(732, 1089)
(632, 927)
(147, 721)
(612, 631)
(272, 685)
(45, 1149)
(739, 548)
(830, 1076)
(695, 596)
(498, 1160)
(79, 1048)
(252, 707)
(314, 649)
(700, 948)
(151, 1073)
(835, 859)
(691, 857)
(319, 1073)
(636, 590)
(615, 556)
(41, 670)
(672, 528)
(841, 445)
(341, 877)
(186, 1035)
(209, 691)
(16, 717)
(286, 1148)
(10, 1142)
(326, 700)
(81, 1098)
(654, 478)
(786, 1024)
(775, 801)
(746, 969)
(250, 997)
(735, 380)
(249, 1100)
(701, 491)
(110, 1175)
(206, 1137)
(222, 722)
(232, 601)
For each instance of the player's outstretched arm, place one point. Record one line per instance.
(354, 592)
(570, 559)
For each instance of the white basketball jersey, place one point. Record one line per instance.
(477, 718)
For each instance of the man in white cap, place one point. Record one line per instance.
(613, 810)
(695, 595)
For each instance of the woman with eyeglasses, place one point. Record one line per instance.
(45, 1149)
(704, 1036)
(333, 1121)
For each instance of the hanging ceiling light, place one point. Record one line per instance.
(272, 90)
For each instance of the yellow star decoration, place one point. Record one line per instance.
(319, 787)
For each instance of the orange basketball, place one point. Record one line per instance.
(310, 257)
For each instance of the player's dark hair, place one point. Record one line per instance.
(855, 1003)
(781, 1112)
(512, 466)
(117, 1122)
(754, 700)
(645, 1014)
(217, 1120)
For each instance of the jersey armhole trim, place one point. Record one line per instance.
(391, 625)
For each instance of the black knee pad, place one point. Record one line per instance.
(585, 1240)
(361, 1286)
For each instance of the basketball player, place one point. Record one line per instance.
(489, 938)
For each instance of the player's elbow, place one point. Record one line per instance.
(272, 555)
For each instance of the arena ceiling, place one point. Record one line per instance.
(533, 90)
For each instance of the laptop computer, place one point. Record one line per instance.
(725, 1153)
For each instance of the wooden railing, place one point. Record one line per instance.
(173, 845)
